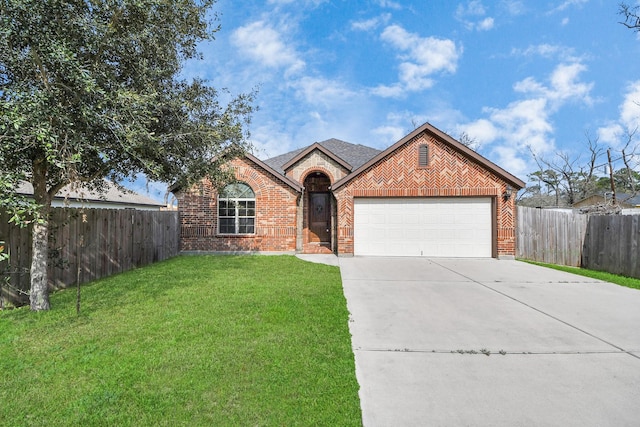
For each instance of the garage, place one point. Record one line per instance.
(425, 226)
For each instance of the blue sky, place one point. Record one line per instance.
(514, 75)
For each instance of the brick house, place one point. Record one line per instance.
(426, 195)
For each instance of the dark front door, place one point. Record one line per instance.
(319, 218)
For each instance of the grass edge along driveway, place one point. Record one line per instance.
(194, 340)
(629, 282)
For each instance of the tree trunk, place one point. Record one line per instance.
(39, 295)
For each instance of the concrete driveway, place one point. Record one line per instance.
(460, 342)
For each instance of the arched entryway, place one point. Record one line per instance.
(318, 222)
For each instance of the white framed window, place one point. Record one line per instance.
(236, 209)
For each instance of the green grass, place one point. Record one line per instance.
(197, 341)
(629, 282)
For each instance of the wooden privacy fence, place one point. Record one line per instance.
(596, 242)
(87, 244)
(611, 244)
(550, 236)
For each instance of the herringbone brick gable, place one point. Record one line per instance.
(450, 173)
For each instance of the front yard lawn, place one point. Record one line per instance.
(629, 282)
(195, 340)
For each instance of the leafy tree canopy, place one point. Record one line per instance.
(91, 89)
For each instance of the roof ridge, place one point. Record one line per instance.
(352, 154)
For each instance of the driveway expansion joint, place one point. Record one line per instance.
(539, 311)
(485, 352)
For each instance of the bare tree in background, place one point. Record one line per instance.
(631, 16)
(564, 179)
(469, 141)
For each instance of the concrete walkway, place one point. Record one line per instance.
(482, 342)
(328, 259)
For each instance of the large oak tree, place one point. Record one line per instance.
(91, 89)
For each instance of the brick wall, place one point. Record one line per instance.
(449, 173)
(316, 161)
(276, 210)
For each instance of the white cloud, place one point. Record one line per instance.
(392, 91)
(389, 4)
(514, 7)
(370, 24)
(568, 3)
(610, 134)
(264, 44)
(390, 133)
(472, 15)
(485, 25)
(482, 130)
(421, 58)
(321, 91)
(630, 108)
(473, 8)
(615, 132)
(524, 123)
(397, 125)
(527, 123)
(564, 85)
(510, 158)
(550, 51)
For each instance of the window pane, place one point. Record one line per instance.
(227, 225)
(246, 225)
(225, 208)
(237, 190)
(246, 192)
(242, 208)
(230, 209)
(251, 208)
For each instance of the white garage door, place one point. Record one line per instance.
(433, 227)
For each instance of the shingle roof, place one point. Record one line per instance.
(112, 194)
(629, 199)
(598, 198)
(354, 154)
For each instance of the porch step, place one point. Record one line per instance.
(316, 248)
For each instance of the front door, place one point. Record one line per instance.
(319, 218)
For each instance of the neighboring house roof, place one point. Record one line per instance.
(513, 180)
(629, 200)
(111, 196)
(354, 155)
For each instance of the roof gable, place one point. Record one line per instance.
(430, 129)
(354, 155)
(309, 150)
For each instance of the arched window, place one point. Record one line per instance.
(236, 209)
